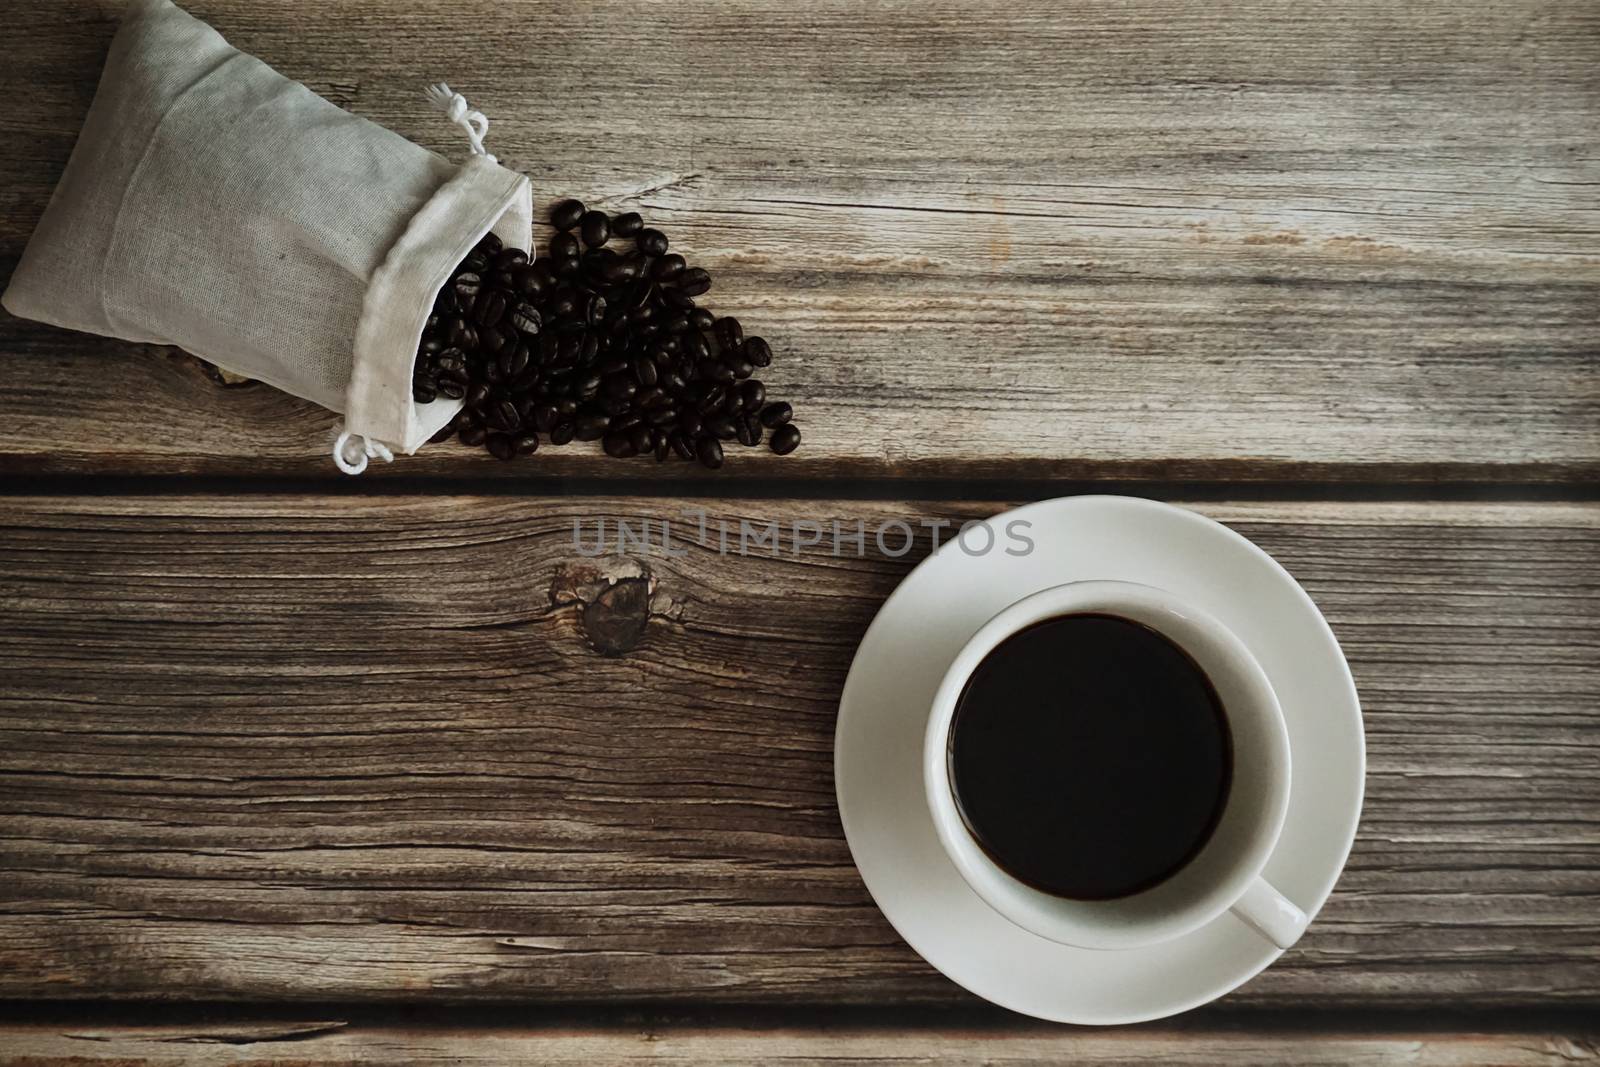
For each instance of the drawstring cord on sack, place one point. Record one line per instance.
(454, 105)
(352, 452)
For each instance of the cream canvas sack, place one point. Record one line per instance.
(213, 204)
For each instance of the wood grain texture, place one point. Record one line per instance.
(1018, 1044)
(1142, 240)
(310, 748)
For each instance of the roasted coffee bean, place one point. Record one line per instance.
(501, 446)
(621, 386)
(693, 282)
(675, 324)
(642, 438)
(478, 396)
(734, 404)
(473, 435)
(667, 267)
(709, 451)
(527, 381)
(619, 446)
(432, 345)
(634, 266)
(461, 335)
(730, 335)
(588, 386)
(526, 318)
(563, 246)
(595, 309)
(757, 351)
(746, 434)
(490, 338)
(466, 287)
(741, 367)
(775, 415)
(568, 348)
(451, 361)
(504, 414)
(563, 303)
(678, 300)
(543, 417)
(661, 416)
(626, 224)
(592, 427)
(564, 266)
(565, 215)
(701, 319)
(641, 314)
(625, 421)
(566, 408)
(714, 370)
(693, 345)
(595, 262)
(424, 390)
(444, 433)
(644, 370)
(529, 281)
(562, 432)
(752, 394)
(662, 447)
(651, 242)
(509, 259)
(491, 372)
(490, 243)
(513, 361)
(614, 365)
(525, 444)
(620, 270)
(588, 348)
(489, 307)
(595, 227)
(721, 426)
(786, 439)
(690, 423)
(682, 445)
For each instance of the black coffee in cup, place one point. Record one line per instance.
(1090, 757)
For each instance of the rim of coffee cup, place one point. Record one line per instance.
(1043, 913)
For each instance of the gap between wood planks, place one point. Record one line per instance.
(286, 1020)
(1012, 490)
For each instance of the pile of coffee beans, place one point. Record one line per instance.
(595, 342)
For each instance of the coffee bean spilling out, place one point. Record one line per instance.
(595, 342)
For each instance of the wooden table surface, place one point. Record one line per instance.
(294, 766)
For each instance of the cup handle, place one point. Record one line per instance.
(1271, 914)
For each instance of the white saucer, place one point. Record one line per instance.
(878, 753)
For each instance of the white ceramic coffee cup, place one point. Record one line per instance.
(1226, 874)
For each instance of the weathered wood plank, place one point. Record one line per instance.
(834, 1046)
(1142, 240)
(284, 747)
